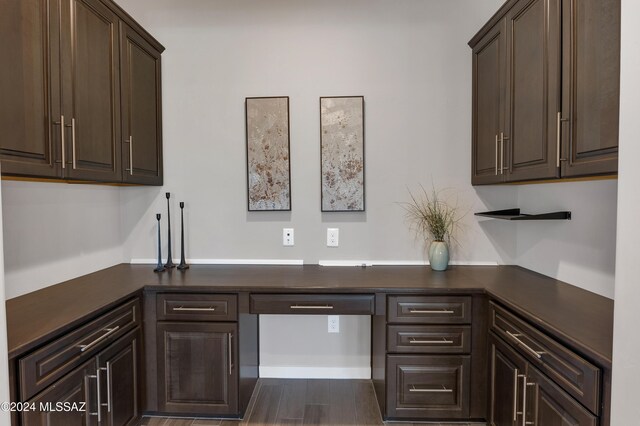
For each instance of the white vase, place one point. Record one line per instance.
(438, 255)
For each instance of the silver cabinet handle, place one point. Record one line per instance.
(496, 155)
(311, 307)
(109, 332)
(431, 311)
(98, 412)
(73, 143)
(501, 153)
(230, 336)
(444, 341)
(108, 370)
(62, 127)
(525, 384)
(515, 395)
(430, 390)
(537, 354)
(182, 308)
(558, 138)
(131, 155)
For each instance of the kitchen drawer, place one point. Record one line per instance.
(196, 307)
(429, 339)
(429, 310)
(574, 374)
(428, 387)
(322, 304)
(47, 364)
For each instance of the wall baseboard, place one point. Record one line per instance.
(298, 262)
(315, 372)
(225, 261)
(401, 263)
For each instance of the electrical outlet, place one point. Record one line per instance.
(287, 236)
(334, 324)
(332, 237)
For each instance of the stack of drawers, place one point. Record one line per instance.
(428, 357)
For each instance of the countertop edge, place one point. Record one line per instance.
(477, 287)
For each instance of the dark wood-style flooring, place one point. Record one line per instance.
(302, 402)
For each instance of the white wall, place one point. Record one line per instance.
(626, 343)
(54, 232)
(5, 418)
(409, 59)
(580, 251)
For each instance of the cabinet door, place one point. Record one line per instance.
(533, 56)
(197, 371)
(507, 374)
(119, 367)
(77, 387)
(591, 86)
(141, 109)
(548, 405)
(489, 74)
(28, 138)
(90, 90)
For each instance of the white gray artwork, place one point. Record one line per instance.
(342, 150)
(268, 163)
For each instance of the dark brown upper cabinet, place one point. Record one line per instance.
(489, 93)
(590, 86)
(62, 112)
(554, 114)
(90, 94)
(30, 142)
(141, 109)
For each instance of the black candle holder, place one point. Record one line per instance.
(169, 263)
(159, 267)
(183, 263)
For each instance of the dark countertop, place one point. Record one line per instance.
(581, 319)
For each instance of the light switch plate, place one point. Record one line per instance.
(287, 236)
(333, 237)
(334, 324)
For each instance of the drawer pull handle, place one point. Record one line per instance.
(537, 354)
(311, 307)
(431, 342)
(430, 390)
(109, 332)
(182, 308)
(431, 311)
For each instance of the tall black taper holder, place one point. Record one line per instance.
(159, 267)
(169, 263)
(183, 263)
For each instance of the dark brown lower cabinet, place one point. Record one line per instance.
(77, 387)
(522, 395)
(102, 391)
(119, 366)
(435, 387)
(197, 371)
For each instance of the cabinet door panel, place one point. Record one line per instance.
(26, 145)
(488, 100)
(533, 56)
(551, 406)
(141, 109)
(91, 89)
(120, 366)
(591, 86)
(196, 366)
(506, 367)
(78, 387)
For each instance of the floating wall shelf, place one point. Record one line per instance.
(514, 214)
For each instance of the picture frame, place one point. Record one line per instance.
(268, 153)
(342, 154)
